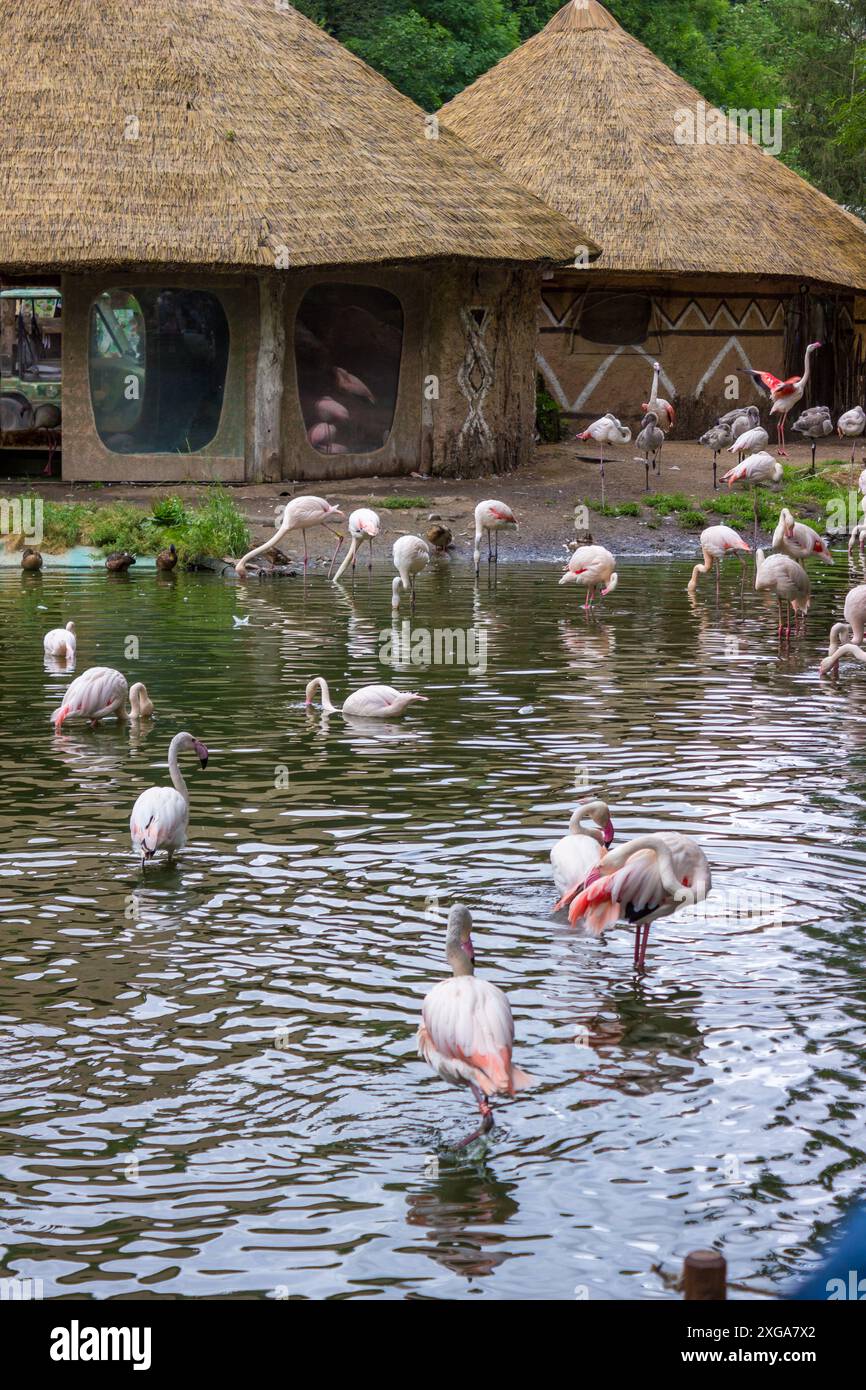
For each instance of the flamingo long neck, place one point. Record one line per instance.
(459, 959)
(268, 545)
(839, 634)
(576, 826)
(616, 858)
(320, 683)
(654, 393)
(174, 769)
(700, 569)
(847, 649)
(807, 370)
(349, 556)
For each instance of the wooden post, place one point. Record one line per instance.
(705, 1276)
(270, 379)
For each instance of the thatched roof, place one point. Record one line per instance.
(230, 133)
(584, 116)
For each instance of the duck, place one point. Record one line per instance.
(166, 559)
(437, 535)
(31, 560)
(119, 561)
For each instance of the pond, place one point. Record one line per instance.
(209, 1078)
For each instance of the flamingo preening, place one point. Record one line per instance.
(743, 443)
(799, 541)
(650, 440)
(370, 702)
(814, 424)
(60, 641)
(491, 516)
(591, 566)
(411, 555)
(851, 426)
(783, 394)
(662, 409)
(647, 878)
(780, 575)
(364, 525)
(467, 1031)
(848, 634)
(607, 430)
(160, 816)
(577, 853)
(717, 542)
(752, 473)
(301, 514)
(717, 438)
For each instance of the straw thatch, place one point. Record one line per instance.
(230, 133)
(584, 116)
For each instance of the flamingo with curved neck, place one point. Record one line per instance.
(370, 702)
(160, 816)
(301, 514)
(580, 851)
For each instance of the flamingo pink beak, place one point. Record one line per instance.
(201, 751)
(608, 833)
(469, 948)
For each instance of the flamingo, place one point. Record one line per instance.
(302, 513)
(752, 472)
(591, 566)
(607, 430)
(491, 516)
(851, 426)
(647, 878)
(411, 556)
(650, 439)
(578, 852)
(850, 631)
(364, 525)
(353, 385)
(780, 575)
(799, 541)
(160, 816)
(60, 641)
(744, 443)
(140, 703)
(784, 394)
(814, 424)
(370, 702)
(742, 417)
(717, 438)
(98, 693)
(664, 411)
(716, 543)
(467, 1031)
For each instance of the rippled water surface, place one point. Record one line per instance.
(209, 1078)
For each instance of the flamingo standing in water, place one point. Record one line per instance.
(798, 540)
(581, 850)
(60, 641)
(751, 473)
(784, 394)
(780, 575)
(716, 543)
(591, 566)
(411, 556)
(160, 816)
(364, 525)
(370, 702)
(607, 430)
(100, 693)
(847, 634)
(467, 1031)
(647, 878)
(301, 514)
(491, 516)
(717, 438)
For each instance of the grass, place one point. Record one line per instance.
(216, 527)
(399, 504)
(620, 509)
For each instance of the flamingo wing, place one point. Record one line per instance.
(158, 821)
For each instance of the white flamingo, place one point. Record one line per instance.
(663, 409)
(370, 702)
(606, 430)
(780, 575)
(717, 542)
(411, 555)
(160, 816)
(301, 514)
(467, 1031)
(784, 394)
(851, 426)
(847, 633)
(491, 516)
(753, 473)
(61, 641)
(744, 443)
(717, 438)
(647, 878)
(97, 694)
(578, 852)
(798, 540)
(364, 525)
(591, 566)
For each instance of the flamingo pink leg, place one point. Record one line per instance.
(486, 1118)
(336, 550)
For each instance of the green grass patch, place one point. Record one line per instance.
(399, 504)
(619, 509)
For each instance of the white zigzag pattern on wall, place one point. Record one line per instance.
(558, 393)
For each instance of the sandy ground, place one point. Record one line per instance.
(543, 497)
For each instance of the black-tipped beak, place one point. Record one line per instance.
(608, 834)
(202, 753)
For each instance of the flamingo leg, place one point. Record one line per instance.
(370, 561)
(602, 473)
(755, 506)
(643, 945)
(336, 550)
(814, 447)
(718, 575)
(304, 534)
(486, 1118)
(715, 479)
(636, 945)
(496, 548)
(646, 467)
(489, 546)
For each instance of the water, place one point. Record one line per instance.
(209, 1078)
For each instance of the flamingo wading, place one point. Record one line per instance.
(60, 641)
(301, 514)
(717, 542)
(364, 526)
(592, 566)
(491, 516)
(411, 555)
(160, 816)
(780, 575)
(370, 702)
(580, 851)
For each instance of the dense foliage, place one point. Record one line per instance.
(806, 56)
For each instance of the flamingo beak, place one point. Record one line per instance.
(469, 948)
(201, 751)
(608, 833)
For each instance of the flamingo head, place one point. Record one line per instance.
(813, 347)
(200, 751)
(607, 833)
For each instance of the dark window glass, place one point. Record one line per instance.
(158, 361)
(619, 319)
(348, 344)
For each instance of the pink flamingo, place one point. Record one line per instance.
(784, 394)
(491, 516)
(364, 525)
(467, 1031)
(716, 543)
(370, 702)
(591, 566)
(60, 641)
(160, 816)
(780, 575)
(650, 877)
(847, 635)
(301, 514)
(581, 850)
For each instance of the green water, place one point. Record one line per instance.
(209, 1077)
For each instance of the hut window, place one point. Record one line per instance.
(158, 361)
(348, 345)
(617, 319)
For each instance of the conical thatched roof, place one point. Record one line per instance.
(584, 116)
(230, 133)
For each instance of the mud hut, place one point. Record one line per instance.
(271, 264)
(714, 253)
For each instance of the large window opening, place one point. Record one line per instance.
(158, 362)
(348, 345)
